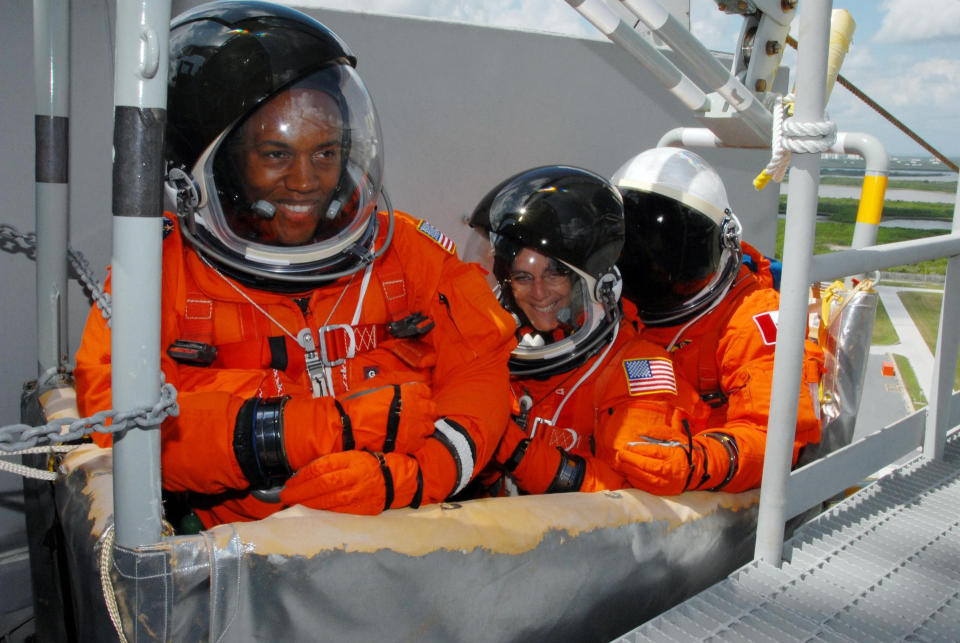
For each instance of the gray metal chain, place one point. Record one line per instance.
(18, 437)
(99, 296)
(23, 436)
(12, 240)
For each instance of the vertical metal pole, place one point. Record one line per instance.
(798, 252)
(140, 98)
(51, 72)
(51, 28)
(945, 361)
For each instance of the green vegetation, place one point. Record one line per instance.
(884, 333)
(895, 184)
(845, 210)
(837, 232)
(832, 236)
(917, 398)
(924, 309)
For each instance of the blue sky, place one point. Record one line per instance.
(904, 54)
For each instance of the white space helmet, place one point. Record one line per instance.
(682, 249)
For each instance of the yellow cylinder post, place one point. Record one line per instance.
(871, 199)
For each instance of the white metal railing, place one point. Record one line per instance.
(785, 493)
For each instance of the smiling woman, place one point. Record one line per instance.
(541, 287)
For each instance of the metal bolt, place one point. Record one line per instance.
(761, 85)
(773, 47)
(721, 6)
(788, 5)
(741, 5)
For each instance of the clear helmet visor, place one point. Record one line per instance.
(295, 183)
(558, 318)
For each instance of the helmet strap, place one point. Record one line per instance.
(607, 292)
(187, 194)
(731, 231)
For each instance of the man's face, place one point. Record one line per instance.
(290, 155)
(541, 287)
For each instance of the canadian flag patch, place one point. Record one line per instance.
(767, 323)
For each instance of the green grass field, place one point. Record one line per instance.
(924, 309)
(883, 332)
(909, 378)
(837, 233)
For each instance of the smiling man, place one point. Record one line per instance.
(325, 354)
(289, 155)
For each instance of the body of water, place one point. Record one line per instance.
(853, 192)
(916, 224)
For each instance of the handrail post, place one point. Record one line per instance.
(51, 27)
(140, 99)
(945, 360)
(798, 252)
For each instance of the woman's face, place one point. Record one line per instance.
(541, 287)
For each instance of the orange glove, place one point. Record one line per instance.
(365, 482)
(669, 467)
(538, 467)
(357, 482)
(386, 418)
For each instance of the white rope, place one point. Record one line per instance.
(789, 135)
(106, 549)
(32, 472)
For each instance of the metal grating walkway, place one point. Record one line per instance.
(883, 565)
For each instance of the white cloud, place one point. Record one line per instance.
(936, 80)
(715, 34)
(913, 21)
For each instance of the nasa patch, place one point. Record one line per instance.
(167, 226)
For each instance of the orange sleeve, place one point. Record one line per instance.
(633, 410)
(472, 338)
(92, 371)
(745, 362)
(200, 459)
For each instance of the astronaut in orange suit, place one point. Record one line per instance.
(583, 383)
(687, 288)
(325, 354)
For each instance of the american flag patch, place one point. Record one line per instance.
(767, 323)
(646, 376)
(441, 239)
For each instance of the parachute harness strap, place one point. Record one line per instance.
(789, 135)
